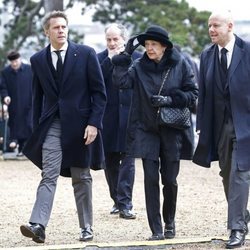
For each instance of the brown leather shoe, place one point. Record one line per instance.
(34, 231)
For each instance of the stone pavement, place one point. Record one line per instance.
(200, 217)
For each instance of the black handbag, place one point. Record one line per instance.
(178, 118)
(174, 117)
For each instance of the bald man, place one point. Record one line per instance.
(223, 119)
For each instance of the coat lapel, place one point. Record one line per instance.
(236, 57)
(217, 69)
(212, 62)
(69, 63)
(45, 68)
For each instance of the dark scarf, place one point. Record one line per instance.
(169, 59)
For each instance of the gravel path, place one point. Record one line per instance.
(201, 209)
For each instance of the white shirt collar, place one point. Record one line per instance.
(63, 53)
(229, 46)
(63, 48)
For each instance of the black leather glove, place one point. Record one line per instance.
(124, 58)
(121, 60)
(179, 98)
(160, 101)
(131, 45)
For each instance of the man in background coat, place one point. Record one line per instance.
(120, 168)
(16, 93)
(69, 99)
(223, 118)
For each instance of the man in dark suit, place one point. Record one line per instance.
(16, 93)
(223, 118)
(120, 168)
(69, 100)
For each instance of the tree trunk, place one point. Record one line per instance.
(50, 5)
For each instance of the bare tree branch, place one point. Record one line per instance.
(28, 30)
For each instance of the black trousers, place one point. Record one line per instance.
(168, 167)
(21, 143)
(235, 182)
(120, 175)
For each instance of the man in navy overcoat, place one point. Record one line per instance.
(120, 168)
(69, 100)
(223, 118)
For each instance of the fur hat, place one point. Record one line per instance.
(155, 33)
(13, 55)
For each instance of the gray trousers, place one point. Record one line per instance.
(81, 182)
(235, 182)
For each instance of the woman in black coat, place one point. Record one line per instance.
(160, 147)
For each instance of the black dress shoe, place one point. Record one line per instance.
(158, 236)
(127, 214)
(247, 220)
(169, 231)
(114, 210)
(34, 231)
(236, 239)
(86, 234)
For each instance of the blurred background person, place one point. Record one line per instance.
(120, 168)
(16, 93)
(4, 129)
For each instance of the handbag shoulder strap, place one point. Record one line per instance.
(163, 81)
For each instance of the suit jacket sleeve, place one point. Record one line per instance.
(37, 98)
(97, 91)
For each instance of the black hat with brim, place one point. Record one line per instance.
(155, 33)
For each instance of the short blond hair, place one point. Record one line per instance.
(53, 14)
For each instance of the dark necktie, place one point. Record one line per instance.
(59, 63)
(223, 60)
